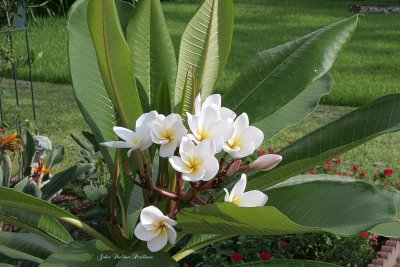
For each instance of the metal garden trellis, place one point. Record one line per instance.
(14, 14)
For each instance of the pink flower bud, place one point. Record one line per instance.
(233, 167)
(266, 162)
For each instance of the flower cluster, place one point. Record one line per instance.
(192, 152)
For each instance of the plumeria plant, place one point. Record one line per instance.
(179, 152)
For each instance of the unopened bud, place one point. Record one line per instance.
(233, 167)
(266, 162)
(127, 168)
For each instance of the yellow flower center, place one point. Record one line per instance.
(234, 143)
(194, 164)
(168, 135)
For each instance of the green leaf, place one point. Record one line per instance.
(55, 157)
(114, 59)
(61, 179)
(5, 163)
(163, 99)
(388, 229)
(154, 60)
(95, 253)
(27, 243)
(295, 110)
(205, 45)
(43, 225)
(146, 258)
(33, 189)
(189, 93)
(17, 255)
(10, 198)
(287, 263)
(20, 185)
(197, 242)
(355, 128)
(82, 254)
(29, 151)
(227, 219)
(89, 89)
(276, 76)
(340, 205)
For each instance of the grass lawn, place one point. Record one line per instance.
(368, 67)
(58, 116)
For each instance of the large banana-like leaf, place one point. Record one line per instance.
(95, 253)
(295, 110)
(45, 226)
(28, 243)
(205, 45)
(82, 254)
(153, 53)
(287, 263)
(12, 199)
(276, 76)
(61, 179)
(388, 229)
(197, 242)
(14, 254)
(90, 93)
(341, 205)
(226, 218)
(359, 126)
(114, 59)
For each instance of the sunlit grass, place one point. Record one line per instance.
(366, 69)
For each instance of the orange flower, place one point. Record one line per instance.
(12, 142)
(39, 168)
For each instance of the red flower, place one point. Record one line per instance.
(338, 173)
(337, 161)
(261, 153)
(355, 168)
(388, 172)
(283, 244)
(374, 239)
(329, 167)
(363, 174)
(364, 235)
(313, 172)
(265, 255)
(237, 256)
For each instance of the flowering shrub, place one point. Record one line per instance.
(172, 148)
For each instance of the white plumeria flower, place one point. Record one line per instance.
(226, 114)
(196, 162)
(168, 132)
(209, 126)
(139, 139)
(155, 228)
(238, 197)
(245, 138)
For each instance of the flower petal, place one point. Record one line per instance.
(168, 149)
(211, 165)
(143, 234)
(227, 196)
(171, 233)
(241, 123)
(150, 214)
(179, 165)
(158, 242)
(253, 198)
(124, 133)
(194, 176)
(214, 99)
(117, 144)
(239, 187)
(206, 147)
(197, 105)
(256, 135)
